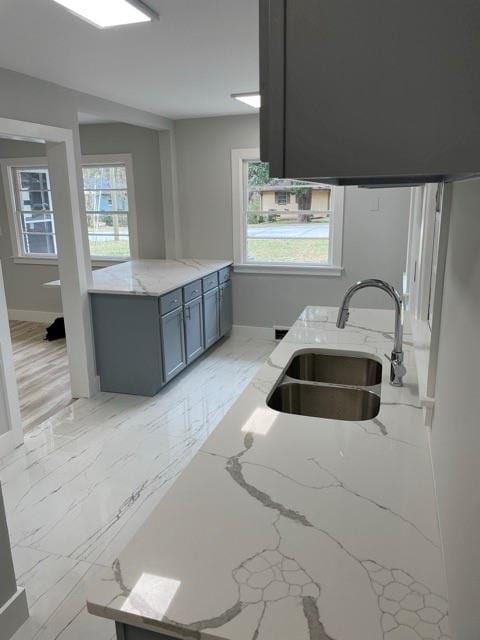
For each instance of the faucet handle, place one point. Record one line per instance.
(343, 316)
(397, 370)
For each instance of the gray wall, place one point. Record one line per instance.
(374, 241)
(23, 282)
(144, 146)
(455, 437)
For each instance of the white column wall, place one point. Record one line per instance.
(455, 436)
(11, 433)
(74, 265)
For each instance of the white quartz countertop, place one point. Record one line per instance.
(150, 277)
(287, 527)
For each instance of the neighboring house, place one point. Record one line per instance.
(288, 196)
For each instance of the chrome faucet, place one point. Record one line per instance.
(397, 368)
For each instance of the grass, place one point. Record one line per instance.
(111, 248)
(288, 250)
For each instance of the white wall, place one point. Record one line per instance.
(23, 282)
(374, 241)
(455, 437)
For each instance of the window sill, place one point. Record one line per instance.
(35, 260)
(97, 262)
(290, 270)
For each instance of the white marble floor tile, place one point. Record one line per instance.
(87, 478)
(63, 614)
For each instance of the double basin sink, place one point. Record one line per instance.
(329, 385)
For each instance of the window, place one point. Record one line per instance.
(423, 251)
(284, 225)
(109, 207)
(32, 198)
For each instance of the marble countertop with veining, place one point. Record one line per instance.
(150, 277)
(289, 527)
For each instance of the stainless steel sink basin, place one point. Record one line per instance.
(335, 369)
(338, 403)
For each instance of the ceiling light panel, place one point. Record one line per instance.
(252, 99)
(109, 13)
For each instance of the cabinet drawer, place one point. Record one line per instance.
(171, 301)
(210, 282)
(224, 274)
(192, 291)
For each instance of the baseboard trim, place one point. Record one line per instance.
(25, 315)
(264, 333)
(14, 613)
(10, 440)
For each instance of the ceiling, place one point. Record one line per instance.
(184, 65)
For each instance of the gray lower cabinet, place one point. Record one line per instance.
(127, 632)
(142, 342)
(225, 303)
(173, 343)
(128, 348)
(193, 320)
(211, 317)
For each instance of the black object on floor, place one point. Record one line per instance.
(56, 330)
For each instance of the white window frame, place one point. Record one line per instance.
(426, 256)
(124, 159)
(423, 257)
(7, 164)
(332, 268)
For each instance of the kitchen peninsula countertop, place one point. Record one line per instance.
(291, 527)
(150, 277)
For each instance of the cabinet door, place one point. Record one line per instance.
(211, 317)
(272, 84)
(194, 329)
(173, 343)
(345, 96)
(225, 308)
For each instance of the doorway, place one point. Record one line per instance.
(28, 249)
(42, 369)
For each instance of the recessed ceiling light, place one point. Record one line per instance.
(252, 99)
(110, 13)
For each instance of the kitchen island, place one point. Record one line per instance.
(292, 527)
(152, 318)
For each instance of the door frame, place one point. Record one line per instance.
(63, 156)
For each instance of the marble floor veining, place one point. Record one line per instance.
(86, 479)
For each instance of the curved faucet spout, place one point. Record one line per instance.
(397, 368)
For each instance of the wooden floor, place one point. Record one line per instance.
(41, 368)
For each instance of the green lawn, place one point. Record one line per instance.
(115, 248)
(287, 250)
